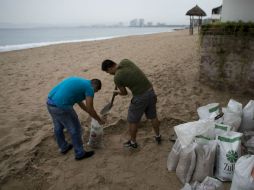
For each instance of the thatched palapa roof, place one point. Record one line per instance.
(196, 11)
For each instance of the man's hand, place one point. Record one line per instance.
(92, 112)
(116, 92)
(122, 91)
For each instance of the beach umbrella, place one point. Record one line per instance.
(195, 11)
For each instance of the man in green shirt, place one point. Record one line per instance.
(128, 75)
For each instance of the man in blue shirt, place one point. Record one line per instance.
(60, 103)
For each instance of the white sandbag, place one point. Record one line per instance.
(244, 174)
(248, 117)
(173, 157)
(210, 183)
(96, 135)
(235, 107)
(187, 186)
(186, 164)
(220, 129)
(250, 145)
(248, 142)
(211, 134)
(233, 114)
(195, 185)
(205, 158)
(217, 118)
(202, 140)
(187, 132)
(232, 119)
(207, 187)
(217, 129)
(228, 151)
(205, 112)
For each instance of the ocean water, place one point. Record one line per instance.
(15, 39)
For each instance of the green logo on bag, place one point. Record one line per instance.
(232, 156)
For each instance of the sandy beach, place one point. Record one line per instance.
(29, 157)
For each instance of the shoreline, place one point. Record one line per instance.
(14, 47)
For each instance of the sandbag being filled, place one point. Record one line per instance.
(96, 135)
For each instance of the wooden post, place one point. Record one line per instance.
(191, 25)
(198, 23)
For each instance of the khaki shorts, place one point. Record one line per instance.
(144, 103)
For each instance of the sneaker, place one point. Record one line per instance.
(129, 144)
(69, 147)
(86, 155)
(158, 139)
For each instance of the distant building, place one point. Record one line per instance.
(236, 10)
(216, 14)
(134, 23)
(149, 24)
(137, 22)
(141, 22)
(160, 24)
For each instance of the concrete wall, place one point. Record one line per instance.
(227, 62)
(235, 10)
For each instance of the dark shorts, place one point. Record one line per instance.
(144, 103)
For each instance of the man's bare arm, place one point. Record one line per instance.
(91, 111)
(82, 106)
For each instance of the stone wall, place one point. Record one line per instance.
(227, 62)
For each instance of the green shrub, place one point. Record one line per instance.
(228, 28)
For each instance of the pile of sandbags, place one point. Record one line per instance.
(211, 146)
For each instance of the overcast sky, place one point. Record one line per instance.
(58, 12)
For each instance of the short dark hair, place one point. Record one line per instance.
(96, 83)
(106, 64)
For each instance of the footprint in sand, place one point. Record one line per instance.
(101, 164)
(24, 89)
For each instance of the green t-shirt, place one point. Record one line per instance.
(130, 76)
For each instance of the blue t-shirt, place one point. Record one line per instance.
(70, 91)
